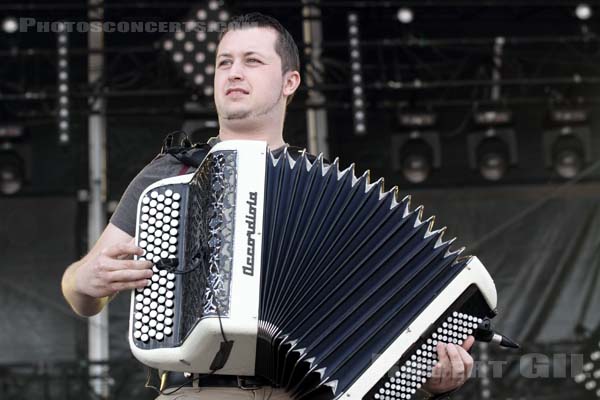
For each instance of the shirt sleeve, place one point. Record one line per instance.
(124, 217)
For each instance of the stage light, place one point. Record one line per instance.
(11, 173)
(358, 104)
(405, 15)
(413, 119)
(193, 49)
(492, 152)
(10, 25)
(583, 11)
(14, 152)
(492, 159)
(567, 149)
(62, 81)
(416, 154)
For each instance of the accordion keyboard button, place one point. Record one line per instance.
(160, 198)
(137, 334)
(144, 338)
(146, 200)
(152, 333)
(168, 193)
(169, 304)
(169, 312)
(168, 331)
(176, 196)
(159, 336)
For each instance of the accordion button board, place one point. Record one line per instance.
(319, 280)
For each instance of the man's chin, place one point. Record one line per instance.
(237, 115)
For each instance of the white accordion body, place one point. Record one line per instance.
(326, 285)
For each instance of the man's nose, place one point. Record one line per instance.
(236, 72)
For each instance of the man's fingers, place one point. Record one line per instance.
(119, 286)
(118, 265)
(467, 344)
(122, 249)
(457, 369)
(467, 361)
(130, 275)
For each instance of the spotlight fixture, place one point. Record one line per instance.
(492, 146)
(405, 15)
(193, 49)
(567, 141)
(12, 176)
(63, 109)
(10, 25)
(416, 154)
(583, 11)
(567, 149)
(15, 155)
(492, 152)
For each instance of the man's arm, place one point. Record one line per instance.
(90, 283)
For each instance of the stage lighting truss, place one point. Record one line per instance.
(63, 120)
(589, 376)
(358, 100)
(416, 154)
(567, 149)
(193, 49)
(492, 152)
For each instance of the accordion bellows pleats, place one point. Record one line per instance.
(327, 285)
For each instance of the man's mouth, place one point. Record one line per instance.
(235, 90)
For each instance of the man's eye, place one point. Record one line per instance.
(223, 62)
(253, 60)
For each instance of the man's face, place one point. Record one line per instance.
(248, 77)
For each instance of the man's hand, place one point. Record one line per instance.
(113, 270)
(453, 368)
(89, 284)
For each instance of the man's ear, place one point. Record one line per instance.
(291, 81)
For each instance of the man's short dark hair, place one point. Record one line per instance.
(285, 47)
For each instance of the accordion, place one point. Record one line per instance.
(304, 274)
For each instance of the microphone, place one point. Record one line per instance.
(485, 333)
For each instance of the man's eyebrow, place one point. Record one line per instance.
(248, 53)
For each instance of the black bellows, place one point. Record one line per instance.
(345, 269)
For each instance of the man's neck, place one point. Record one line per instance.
(274, 138)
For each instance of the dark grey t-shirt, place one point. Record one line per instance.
(163, 166)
